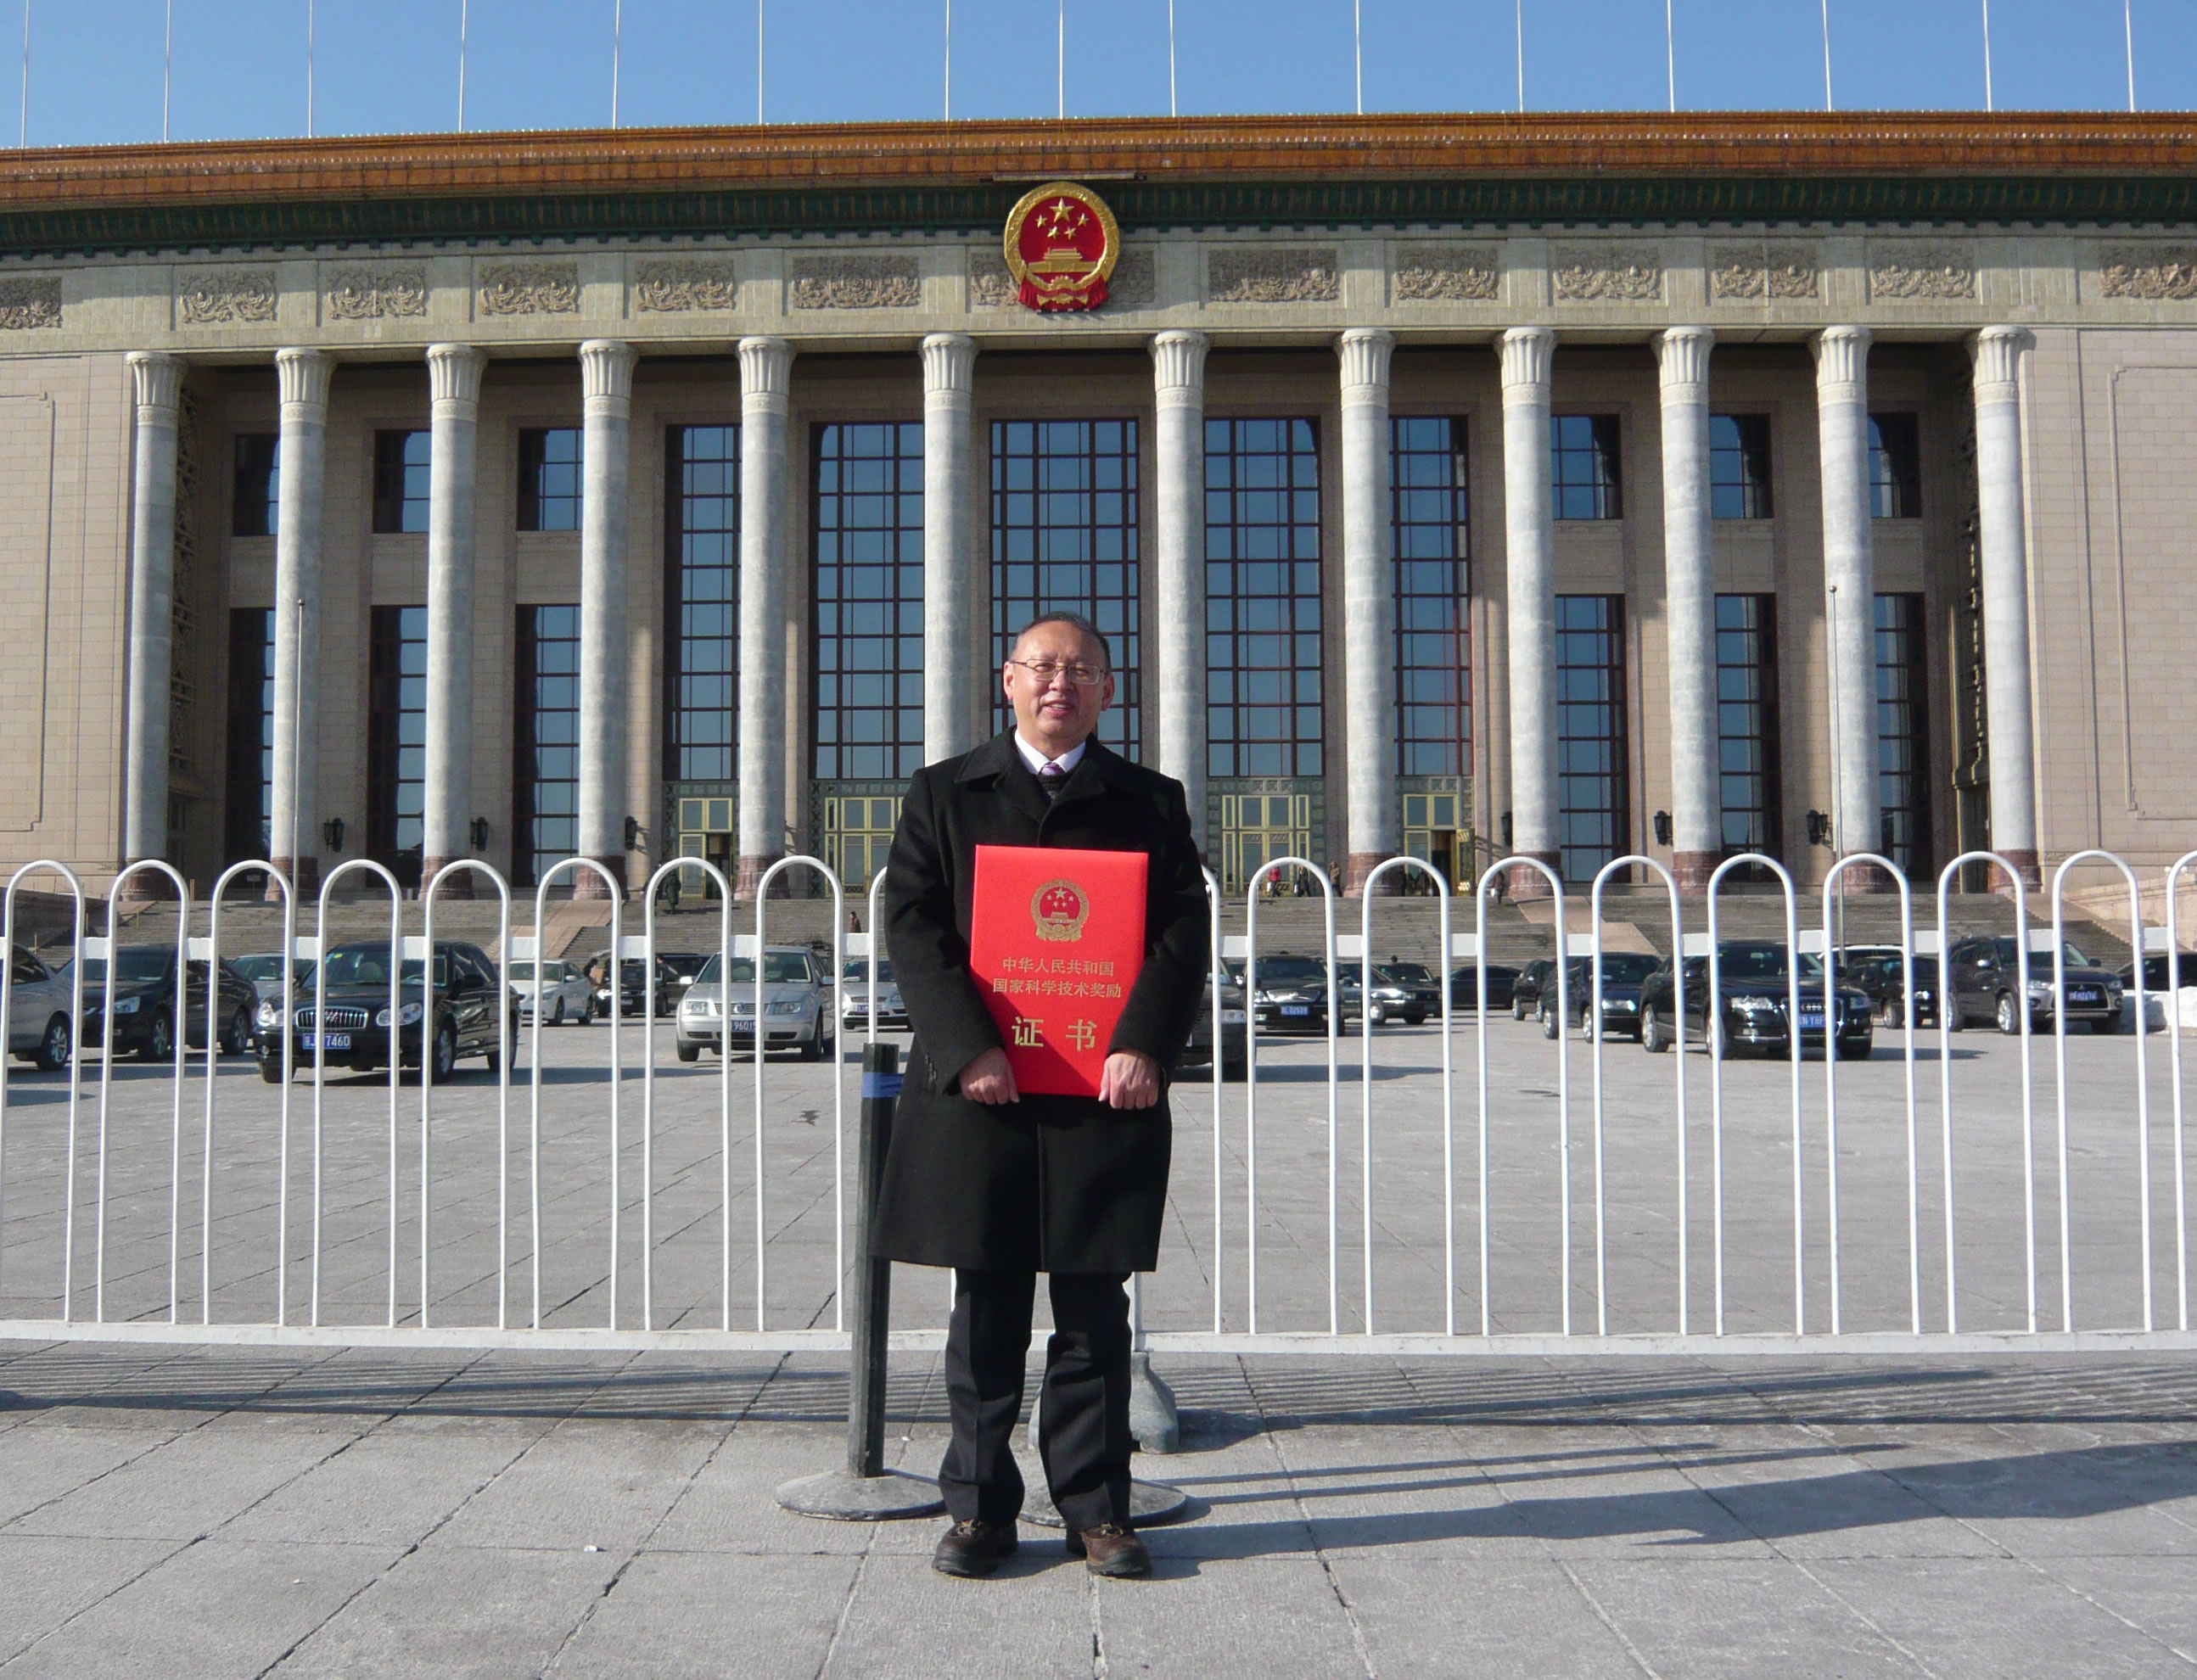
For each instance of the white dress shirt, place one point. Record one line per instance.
(1037, 760)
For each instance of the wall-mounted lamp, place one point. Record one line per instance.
(478, 833)
(1662, 828)
(633, 834)
(332, 832)
(1819, 829)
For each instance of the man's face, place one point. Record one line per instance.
(1054, 712)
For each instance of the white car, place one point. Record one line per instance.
(854, 997)
(797, 1006)
(561, 993)
(38, 1028)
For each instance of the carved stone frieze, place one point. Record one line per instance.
(991, 287)
(1929, 275)
(1607, 276)
(530, 289)
(220, 296)
(1753, 272)
(373, 292)
(1134, 284)
(1446, 274)
(1272, 274)
(30, 302)
(857, 281)
(2154, 274)
(685, 285)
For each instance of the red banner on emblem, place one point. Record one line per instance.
(1062, 244)
(1056, 940)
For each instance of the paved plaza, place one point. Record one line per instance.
(215, 1510)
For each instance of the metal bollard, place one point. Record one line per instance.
(864, 1490)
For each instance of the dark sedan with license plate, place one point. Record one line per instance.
(1623, 973)
(1465, 987)
(1884, 980)
(1291, 994)
(467, 1014)
(1753, 1005)
(146, 1006)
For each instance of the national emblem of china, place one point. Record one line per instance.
(1059, 909)
(1062, 245)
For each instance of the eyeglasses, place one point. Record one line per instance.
(1044, 670)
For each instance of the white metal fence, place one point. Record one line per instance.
(92, 1189)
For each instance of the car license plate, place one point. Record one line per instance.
(741, 1026)
(1297, 1009)
(2081, 997)
(1231, 1017)
(334, 1042)
(1812, 1023)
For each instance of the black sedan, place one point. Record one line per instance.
(1411, 990)
(1235, 1030)
(1526, 987)
(146, 1006)
(1884, 980)
(467, 1010)
(1465, 987)
(1987, 985)
(1753, 1005)
(1623, 973)
(634, 988)
(1290, 994)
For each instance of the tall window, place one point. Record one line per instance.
(1746, 722)
(1584, 477)
(1065, 539)
(549, 480)
(255, 482)
(397, 739)
(1895, 468)
(869, 600)
(251, 732)
(545, 759)
(402, 470)
(1262, 616)
(1902, 760)
(702, 533)
(1590, 783)
(1434, 692)
(1739, 467)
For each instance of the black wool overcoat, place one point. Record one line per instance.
(1048, 1184)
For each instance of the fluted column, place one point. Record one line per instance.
(159, 380)
(1369, 606)
(2005, 563)
(766, 367)
(1176, 634)
(955, 696)
(1529, 564)
(1690, 606)
(606, 382)
(1849, 591)
(453, 378)
(294, 809)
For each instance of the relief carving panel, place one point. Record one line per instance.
(1276, 275)
(852, 281)
(30, 302)
(222, 296)
(1925, 275)
(530, 289)
(1607, 276)
(2153, 275)
(373, 292)
(685, 287)
(1755, 273)
(1446, 274)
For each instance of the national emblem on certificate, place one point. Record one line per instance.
(1056, 939)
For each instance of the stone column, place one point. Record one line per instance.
(766, 365)
(1175, 669)
(1529, 564)
(1369, 607)
(956, 688)
(1849, 592)
(2005, 563)
(607, 380)
(454, 377)
(159, 382)
(294, 825)
(1690, 607)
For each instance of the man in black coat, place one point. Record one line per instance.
(1001, 1186)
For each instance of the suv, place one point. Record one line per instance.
(464, 1015)
(1983, 982)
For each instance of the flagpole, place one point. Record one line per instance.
(1828, 106)
(1172, 110)
(617, 44)
(168, 73)
(949, 61)
(26, 140)
(1062, 61)
(465, 19)
(1358, 49)
(309, 69)
(1522, 57)
(2128, 30)
(1988, 106)
(1670, 55)
(759, 5)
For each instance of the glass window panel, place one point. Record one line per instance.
(1433, 625)
(702, 591)
(1262, 548)
(549, 480)
(1902, 741)
(250, 734)
(1746, 722)
(545, 771)
(395, 736)
(869, 513)
(402, 463)
(1895, 466)
(257, 485)
(1584, 473)
(1592, 794)
(1739, 467)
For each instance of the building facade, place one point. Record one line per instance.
(1686, 486)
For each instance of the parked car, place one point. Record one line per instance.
(2158, 976)
(681, 967)
(797, 1006)
(1986, 985)
(1526, 987)
(39, 1001)
(1465, 987)
(145, 1005)
(1751, 1010)
(557, 989)
(1291, 994)
(1884, 980)
(855, 997)
(1411, 990)
(635, 995)
(1623, 973)
(466, 1015)
(1235, 1028)
(263, 969)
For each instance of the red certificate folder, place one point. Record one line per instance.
(1056, 940)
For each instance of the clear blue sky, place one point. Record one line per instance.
(381, 65)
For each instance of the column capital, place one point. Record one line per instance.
(766, 374)
(1842, 355)
(1365, 352)
(606, 377)
(158, 379)
(1526, 353)
(454, 374)
(1682, 354)
(1179, 365)
(949, 367)
(303, 376)
(1997, 353)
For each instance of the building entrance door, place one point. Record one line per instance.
(706, 830)
(1256, 827)
(858, 831)
(1435, 831)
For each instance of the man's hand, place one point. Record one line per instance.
(1131, 1080)
(990, 1079)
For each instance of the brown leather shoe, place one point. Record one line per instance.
(973, 1549)
(1110, 1549)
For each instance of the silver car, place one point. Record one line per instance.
(562, 994)
(854, 997)
(38, 1028)
(797, 1006)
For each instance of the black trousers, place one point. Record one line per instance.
(1083, 1421)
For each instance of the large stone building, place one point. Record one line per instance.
(1576, 485)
